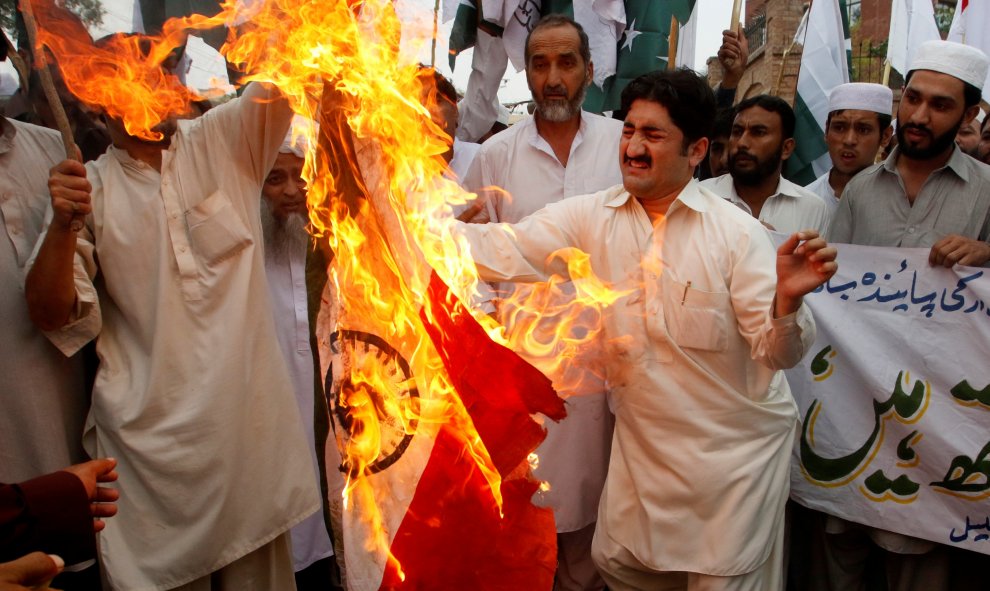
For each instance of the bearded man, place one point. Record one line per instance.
(926, 194)
(559, 152)
(760, 140)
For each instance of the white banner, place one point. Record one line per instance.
(894, 398)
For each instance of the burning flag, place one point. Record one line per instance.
(434, 411)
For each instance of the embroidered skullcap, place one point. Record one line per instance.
(861, 96)
(966, 63)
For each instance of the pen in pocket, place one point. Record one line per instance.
(686, 288)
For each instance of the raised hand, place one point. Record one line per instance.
(804, 261)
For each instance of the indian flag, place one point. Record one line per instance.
(824, 65)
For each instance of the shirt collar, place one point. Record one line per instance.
(537, 141)
(957, 163)
(7, 137)
(690, 196)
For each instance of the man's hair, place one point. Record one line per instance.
(971, 94)
(723, 122)
(883, 121)
(445, 87)
(687, 97)
(774, 105)
(559, 20)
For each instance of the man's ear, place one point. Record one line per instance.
(970, 114)
(697, 151)
(590, 74)
(787, 149)
(885, 135)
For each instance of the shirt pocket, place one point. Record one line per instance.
(696, 319)
(216, 232)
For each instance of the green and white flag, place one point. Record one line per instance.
(912, 22)
(824, 65)
(642, 48)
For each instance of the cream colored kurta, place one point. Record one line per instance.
(705, 423)
(574, 455)
(43, 400)
(192, 396)
(791, 208)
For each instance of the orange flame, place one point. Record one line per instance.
(384, 247)
(123, 75)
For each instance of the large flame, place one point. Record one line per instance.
(344, 56)
(123, 76)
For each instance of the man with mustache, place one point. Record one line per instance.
(296, 271)
(760, 140)
(858, 124)
(708, 315)
(926, 194)
(559, 152)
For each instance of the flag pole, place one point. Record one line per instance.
(734, 27)
(736, 9)
(886, 72)
(672, 43)
(436, 18)
(48, 85)
(775, 91)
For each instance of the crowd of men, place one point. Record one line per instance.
(194, 276)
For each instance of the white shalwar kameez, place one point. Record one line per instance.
(192, 396)
(574, 456)
(705, 423)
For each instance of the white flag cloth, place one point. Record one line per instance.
(687, 40)
(912, 22)
(449, 9)
(479, 108)
(971, 26)
(604, 21)
(823, 66)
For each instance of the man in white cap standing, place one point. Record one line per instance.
(858, 124)
(926, 194)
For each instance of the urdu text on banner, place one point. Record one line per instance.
(894, 398)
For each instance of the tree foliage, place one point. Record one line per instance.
(90, 11)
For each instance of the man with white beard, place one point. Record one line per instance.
(559, 152)
(283, 221)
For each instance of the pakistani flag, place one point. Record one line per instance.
(824, 65)
(641, 49)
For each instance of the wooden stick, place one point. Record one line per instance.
(436, 26)
(736, 9)
(48, 85)
(886, 72)
(672, 43)
(734, 27)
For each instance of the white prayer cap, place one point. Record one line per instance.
(296, 141)
(862, 96)
(980, 115)
(966, 63)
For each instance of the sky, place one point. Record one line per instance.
(207, 67)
